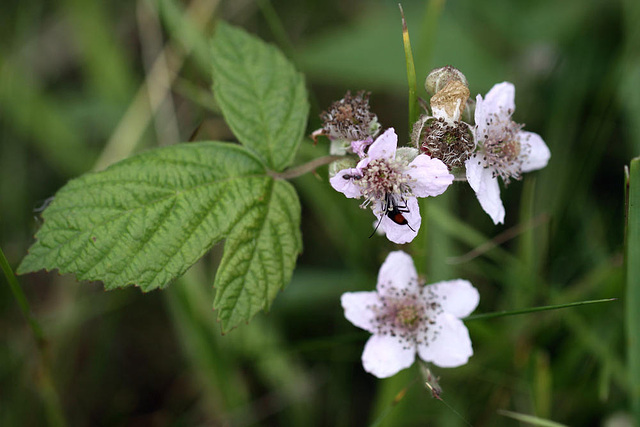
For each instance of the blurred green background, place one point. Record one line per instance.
(86, 83)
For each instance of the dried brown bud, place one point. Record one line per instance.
(450, 101)
(350, 118)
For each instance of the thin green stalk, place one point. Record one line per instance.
(21, 299)
(306, 167)
(411, 73)
(534, 309)
(530, 419)
(632, 266)
(44, 381)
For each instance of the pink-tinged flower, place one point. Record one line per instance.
(390, 185)
(504, 149)
(406, 317)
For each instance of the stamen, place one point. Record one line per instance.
(452, 143)
(408, 316)
(382, 177)
(502, 149)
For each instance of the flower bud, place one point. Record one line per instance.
(406, 154)
(439, 77)
(338, 165)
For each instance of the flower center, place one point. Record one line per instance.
(407, 316)
(382, 177)
(502, 148)
(452, 143)
(400, 315)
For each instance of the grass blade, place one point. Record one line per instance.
(530, 419)
(632, 264)
(534, 309)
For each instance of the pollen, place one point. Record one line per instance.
(407, 316)
(501, 147)
(382, 177)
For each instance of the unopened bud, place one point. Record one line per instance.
(406, 154)
(339, 165)
(439, 77)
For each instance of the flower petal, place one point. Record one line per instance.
(502, 96)
(538, 154)
(480, 118)
(402, 233)
(446, 343)
(499, 100)
(399, 272)
(430, 177)
(486, 186)
(457, 297)
(384, 356)
(357, 308)
(359, 146)
(343, 182)
(384, 146)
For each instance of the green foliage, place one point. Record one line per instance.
(146, 220)
(124, 356)
(262, 96)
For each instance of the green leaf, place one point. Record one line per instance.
(146, 220)
(262, 97)
(260, 252)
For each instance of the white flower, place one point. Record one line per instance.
(504, 150)
(391, 184)
(406, 317)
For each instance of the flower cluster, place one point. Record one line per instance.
(390, 183)
(457, 138)
(407, 317)
(445, 146)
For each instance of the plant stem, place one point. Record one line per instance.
(534, 309)
(44, 381)
(305, 168)
(21, 299)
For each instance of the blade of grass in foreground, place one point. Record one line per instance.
(632, 265)
(530, 419)
(534, 309)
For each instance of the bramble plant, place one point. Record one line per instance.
(144, 221)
